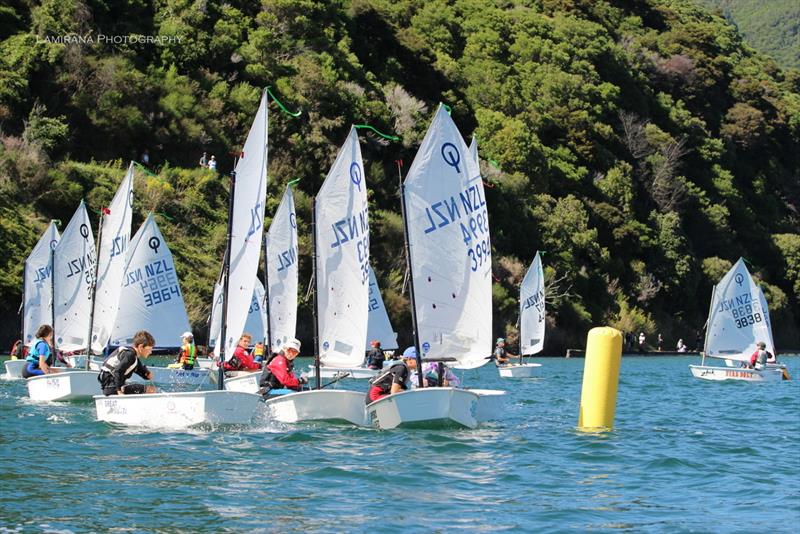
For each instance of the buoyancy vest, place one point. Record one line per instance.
(380, 378)
(40, 348)
(268, 380)
(188, 356)
(110, 364)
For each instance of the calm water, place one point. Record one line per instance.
(685, 456)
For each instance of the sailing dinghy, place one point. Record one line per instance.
(37, 296)
(738, 319)
(245, 229)
(340, 231)
(531, 321)
(379, 328)
(73, 272)
(448, 250)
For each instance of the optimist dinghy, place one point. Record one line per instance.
(245, 216)
(738, 319)
(531, 321)
(448, 250)
(14, 369)
(341, 291)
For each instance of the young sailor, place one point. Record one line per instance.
(40, 357)
(241, 359)
(123, 362)
(375, 357)
(278, 371)
(394, 379)
(501, 355)
(759, 358)
(188, 354)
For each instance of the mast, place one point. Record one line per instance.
(710, 309)
(221, 343)
(93, 290)
(268, 343)
(52, 294)
(21, 311)
(410, 275)
(314, 310)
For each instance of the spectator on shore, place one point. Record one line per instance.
(642, 339)
(212, 163)
(681, 346)
(660, 343)
(204, 160)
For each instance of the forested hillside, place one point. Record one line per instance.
(640, 144)
(771, 26)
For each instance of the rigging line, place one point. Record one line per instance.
(280, 105)
(389, 137)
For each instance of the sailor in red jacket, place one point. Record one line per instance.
(241, 359)
(278, 373)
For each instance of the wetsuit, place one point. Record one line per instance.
(381, 386)
(40, 348)
(118, 368)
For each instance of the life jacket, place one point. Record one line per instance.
(111, 363)
(36, 351)
(188, 354)
(380, 378)
(269, 381)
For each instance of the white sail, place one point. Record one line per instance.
(74, 272)
(112, 256)
(256, 314)
(531, 309)
(216, 316)
(151, 291)
(342, 243)
(762, 300)
(737, 320)
(282, 271)
(379, 327)
(248, 226)
(450, 248)
(38, 308)
(473, 150)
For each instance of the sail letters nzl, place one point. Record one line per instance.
(119, 245)
(287, 258)
(79, 265)
(151, 269)
(738, 300)
(350, 228)
(444, 212)
(537, 299)
(42, 274)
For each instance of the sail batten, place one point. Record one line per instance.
(450, 247)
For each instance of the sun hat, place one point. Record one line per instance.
(292, 344)
(186, 334)
(410, 352)
(500, 340)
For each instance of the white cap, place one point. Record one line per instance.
(186, 334)
(292, 344)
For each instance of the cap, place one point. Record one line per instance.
(761, 344)
(410, 352)
(186, 334)
(500, 340)
(292, 344)
(375, 343)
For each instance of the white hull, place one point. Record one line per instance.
(178, 410)
(167, 376)
(74, 385)
(14, 368)
(318, 405)
(523, 370)
(427, 406)
(356, 373)
(733, 373)
(247, 383)
(491, 404)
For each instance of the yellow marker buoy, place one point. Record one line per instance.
(600, 379)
